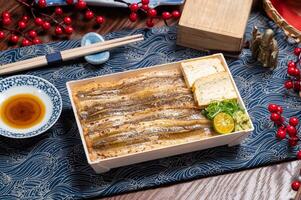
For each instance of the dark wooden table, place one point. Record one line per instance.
(271, 182)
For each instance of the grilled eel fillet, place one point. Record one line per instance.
(130, 132)
(143, 115)
(96, 88)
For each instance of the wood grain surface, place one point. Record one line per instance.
(219, 26)
(116, 19)
(266, 183)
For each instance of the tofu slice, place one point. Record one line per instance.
(193, 70)
(215, 87)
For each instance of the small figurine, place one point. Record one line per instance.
(264, 47)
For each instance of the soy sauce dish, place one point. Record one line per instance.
(29, 106)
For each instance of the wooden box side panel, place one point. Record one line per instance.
(227, 17)
(207, 41)
(82, 136)
(108, 164)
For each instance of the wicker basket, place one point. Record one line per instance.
(273, 13)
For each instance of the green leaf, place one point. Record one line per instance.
(226, 106)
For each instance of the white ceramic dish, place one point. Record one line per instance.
(25, 84)
(103, 165)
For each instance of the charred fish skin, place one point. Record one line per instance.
(126, 82)
(149, 132)
(148, 127)
(145, 115)
(184, 101)
(137, 97)
(154, 82)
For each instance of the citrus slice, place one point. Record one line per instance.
(223, 123)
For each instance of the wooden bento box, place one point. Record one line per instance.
(213, 24)
(105, 164)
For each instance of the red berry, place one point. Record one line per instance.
(69, 2)
(67, 20)
(297, 72)
(100, 20)
(5, 14)
(166, 15)
(281, 134)
(32, 34)
(25, 18)
(297, 51)
(291, 71)
(296, 185)
(14, 39)
(275, 117)
(58, 11)
(291, 130)
(69, 30)
(21, 25)
(46, 26)
(149, 22)
(293, 121)
(279, 109)
(38, 21)
(37, 41)
(279, 122)
(299, 155)
(2, 35)
(134, 7)
(297, 85)
(145, 7)
(58, 30)
(6, 21)
(25, 42)
(291, 64)
(152, 13)
(145, 2)
(272, 108)
(89, 15)
(133, 17)
(293, 141)
(81, 5)
(42, 3)
(288, 85)
(176, 14)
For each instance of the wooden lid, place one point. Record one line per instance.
(227, 17)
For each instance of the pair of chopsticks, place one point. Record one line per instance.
(68, 54)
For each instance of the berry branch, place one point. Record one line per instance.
(293, 71)
(56, 23)
(286, 130)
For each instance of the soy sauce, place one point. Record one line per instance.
(22, 111)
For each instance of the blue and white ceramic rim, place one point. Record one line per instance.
(47, 92)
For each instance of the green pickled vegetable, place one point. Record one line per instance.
(226, 106)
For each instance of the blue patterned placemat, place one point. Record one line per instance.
(53, 165)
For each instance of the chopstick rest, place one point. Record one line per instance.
(98, 58)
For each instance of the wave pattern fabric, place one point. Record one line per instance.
(53, 165)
